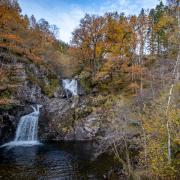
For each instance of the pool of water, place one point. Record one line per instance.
(53, 160)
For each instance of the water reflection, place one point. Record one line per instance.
(64, 161)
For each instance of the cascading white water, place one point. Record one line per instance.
(27, 127)
(27, 130)
(71, 85)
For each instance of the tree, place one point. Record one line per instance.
(142, 34)
(154, 119)
(89, 39)
(33, 22)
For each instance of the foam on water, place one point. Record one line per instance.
(27, 130)
(71, 85)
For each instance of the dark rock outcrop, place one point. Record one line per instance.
(57, 115)
(87, 128)
(62, 120)
(9, 120)
(22, 83)
(81, 91)
(63, 116)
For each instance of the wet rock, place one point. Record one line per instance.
(81, 91)
(29, 93)
(57, 119)
(7, 128)
(9, 120)
(75, 101)
(68, 119)
(87, 128)
(60, 93)
(67, 93)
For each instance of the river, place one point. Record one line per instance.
(53, 160)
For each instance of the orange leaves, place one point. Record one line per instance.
(34, 58)
(10, 17)
(106, 45)
(12, 41)
(134, 87)
(164, 22)
(89, 39)
(137, 69)
(134, 68)
(11, 38)
(18, 37)
(16, 44)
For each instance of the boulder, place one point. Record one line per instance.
(87, 128)
(68, 119)
(56, 119)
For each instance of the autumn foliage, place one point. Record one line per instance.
(119, 46)
(112, 55)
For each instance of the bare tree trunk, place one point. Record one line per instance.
(141, 86)
(141, 54)
(162, 75)
(152, 80)
(167, 107)
(167, 124)
(175, 75)
(127, 158)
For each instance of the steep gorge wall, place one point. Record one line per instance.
(22, 83)
(75, 118)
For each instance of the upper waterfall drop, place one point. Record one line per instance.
(71, 85)
(27, 130)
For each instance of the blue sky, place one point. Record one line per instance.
(67, 13)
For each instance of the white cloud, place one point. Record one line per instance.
(67, 19)
(128, 6)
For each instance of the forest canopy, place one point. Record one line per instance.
(132, 60)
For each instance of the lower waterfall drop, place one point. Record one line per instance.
(27, 130)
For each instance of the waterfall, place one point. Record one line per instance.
(28, 126)
(70, 85)
(27, 130)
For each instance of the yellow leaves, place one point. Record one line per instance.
(105, 70)
(164, 22)
(154, 122)
(177, 141)
(100, 48)
(120, 36)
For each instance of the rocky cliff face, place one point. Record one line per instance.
(22, 83)
(68, 119)
(80, 118)
(9, 119)
(25, 83)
